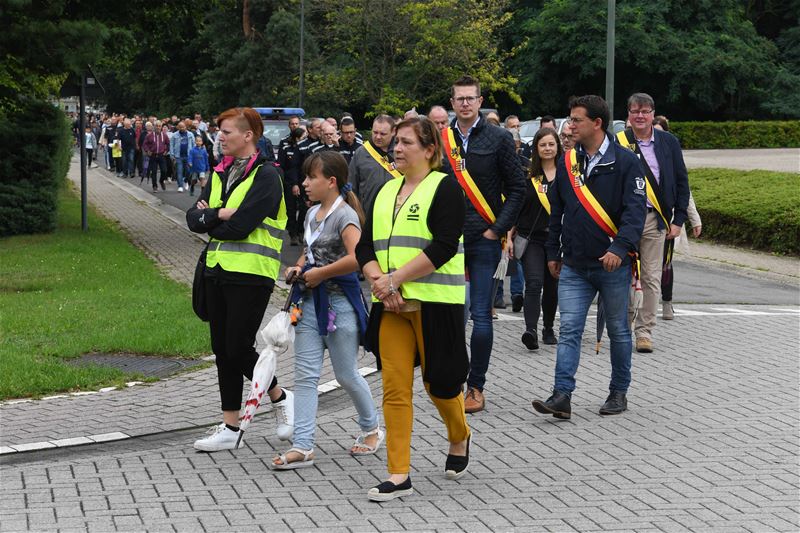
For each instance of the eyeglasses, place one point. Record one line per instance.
(466, 99)
(642, 112)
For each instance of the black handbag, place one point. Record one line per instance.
(199, 297)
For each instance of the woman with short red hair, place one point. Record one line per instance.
(243, 212)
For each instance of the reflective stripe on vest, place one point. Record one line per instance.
(399, 239)
(260, 252)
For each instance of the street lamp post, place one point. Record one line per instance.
(302, 31)
(610, 39)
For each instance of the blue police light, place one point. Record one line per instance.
(279, 112)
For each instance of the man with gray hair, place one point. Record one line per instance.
(439, 116)
(667, 188)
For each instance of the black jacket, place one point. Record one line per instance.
(494, 166)
(128, 138)
(262, 200)
(617, 182)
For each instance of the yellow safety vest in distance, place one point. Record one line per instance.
(397, 241)
(260, 252)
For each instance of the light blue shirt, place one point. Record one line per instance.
(598, 156)
(465, 138)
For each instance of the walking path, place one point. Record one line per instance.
(777, 159)
(710, 442)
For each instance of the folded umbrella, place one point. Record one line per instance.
(500, 272)
(278, 336)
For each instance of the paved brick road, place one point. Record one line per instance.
(710, 444)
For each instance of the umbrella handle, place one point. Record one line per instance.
(288, 302)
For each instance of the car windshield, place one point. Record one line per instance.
(275, 130)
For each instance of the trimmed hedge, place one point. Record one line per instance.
(750, 134)
(33, 171)
(757, 208)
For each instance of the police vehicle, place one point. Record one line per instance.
(275, 121)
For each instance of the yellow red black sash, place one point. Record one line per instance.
(462, 175)
(540, 187)
(627, 139)
(382, 160)
(585, 196)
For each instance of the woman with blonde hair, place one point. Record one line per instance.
(411, 252)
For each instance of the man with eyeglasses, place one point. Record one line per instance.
(348, 142)
(597, 211)
(483, 159)
(661, 159)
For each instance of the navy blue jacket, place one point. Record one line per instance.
(673, 178)
(617, 182)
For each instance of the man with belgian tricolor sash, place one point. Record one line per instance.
(661, 158)
(597, 211)
(483, 159)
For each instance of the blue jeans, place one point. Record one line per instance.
(342, 346)
(181, 169)
(577, 287)
(481, 258)
(128, 157)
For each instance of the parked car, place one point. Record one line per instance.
(528, 128)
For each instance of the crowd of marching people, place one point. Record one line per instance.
(424, 212)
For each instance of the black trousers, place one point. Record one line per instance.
(235, 314)
(541, 289)
(157, 162)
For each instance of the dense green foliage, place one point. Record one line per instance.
(701, 60)
(750, 134)
(70, 293)
(758, 209)
(31, 173)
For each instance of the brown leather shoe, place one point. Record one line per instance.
(644, 345)
(474, 401)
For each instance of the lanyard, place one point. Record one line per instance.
(312, 237)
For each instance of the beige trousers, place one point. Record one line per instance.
(651, 257)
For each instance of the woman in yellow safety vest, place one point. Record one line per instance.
(243, 211)
(411, 252)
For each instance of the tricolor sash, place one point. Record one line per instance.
(471, 189)
(382, 160)
(540, 187)
(585, 196)
(627, 139)
(593, 207)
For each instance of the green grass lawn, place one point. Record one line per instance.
(69, 293)
(756, 208)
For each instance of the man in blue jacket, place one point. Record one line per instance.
(661, 158)
(595, 240)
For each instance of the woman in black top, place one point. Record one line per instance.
(530, 233)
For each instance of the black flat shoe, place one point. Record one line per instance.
(558, 405)
(456, 465)
(389, 491)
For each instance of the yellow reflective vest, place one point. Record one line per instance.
(260, 252)
(398, 239)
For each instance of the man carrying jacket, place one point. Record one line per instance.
(667, 202)
(599, 190)
(483, 159)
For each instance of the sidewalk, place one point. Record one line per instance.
(159, 230)
(710, 442)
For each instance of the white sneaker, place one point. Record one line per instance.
(284, 416)
(219, 438)
(180, 189)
